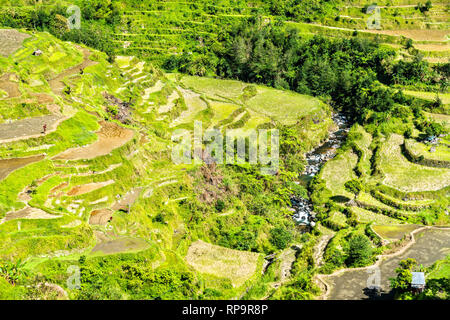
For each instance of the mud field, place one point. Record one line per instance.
(30, 213)
(9, 165)
(110, 137)
(120, 245)
(28, 128)
(430, 245)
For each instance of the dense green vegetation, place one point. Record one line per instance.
(437, 280)
(280, 74)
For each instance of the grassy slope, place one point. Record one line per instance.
(407, 176)
(145, 162)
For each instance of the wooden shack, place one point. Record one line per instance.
(418, 282)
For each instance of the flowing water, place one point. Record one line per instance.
(315, 160)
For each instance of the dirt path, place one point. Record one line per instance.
(287, 258)
(110, 137)
(29, 128)
(428, 245)
(320, 248)
(57, 85)
(9, 165)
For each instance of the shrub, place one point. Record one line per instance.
(280, 237)
(220, 205)
(359, 251)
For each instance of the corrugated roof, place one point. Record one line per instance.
(418, 278)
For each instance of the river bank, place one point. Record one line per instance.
(315, 159)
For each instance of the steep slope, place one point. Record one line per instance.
(87, 177)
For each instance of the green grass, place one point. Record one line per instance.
(366, 198)
(215, 88)
(338, 171)
(406, 176)
(430, 96)
(238, 266)
(40, 237)
(57, 56)
(367, 216)
(9, 291)
(440, 152)
(394, 232)
(285, 107)
(221, 111)
(441, 269)
(440, 118)
(363, 144)
(338, 218)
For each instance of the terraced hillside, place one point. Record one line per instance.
(88, 180)
(162, 28)
(160, 31)
(86, 175)
(385, 183)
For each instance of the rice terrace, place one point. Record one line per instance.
(94, 207)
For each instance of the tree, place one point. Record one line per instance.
(408, 44)
(434, 129)
(58, 25)
(280, 237)
(401, 283)
(353, 186)
(359, 251)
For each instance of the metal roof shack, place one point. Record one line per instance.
(418, 281)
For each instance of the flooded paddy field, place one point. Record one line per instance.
(430, 245)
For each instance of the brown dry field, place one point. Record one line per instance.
(432, 47)
(30, 213)
(10, 87)
(10, 41)
(120, 245)
(58, 188)
(437, 60)
(100, 217)
(110, 137)
(89, 187)
(128, 199)
(417, 35)
(236, 265)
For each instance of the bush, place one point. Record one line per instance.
(353, 186)
(220, 205)
(359, 251)
(280, 237)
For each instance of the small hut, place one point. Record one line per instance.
(37, 53)
(418, 282)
